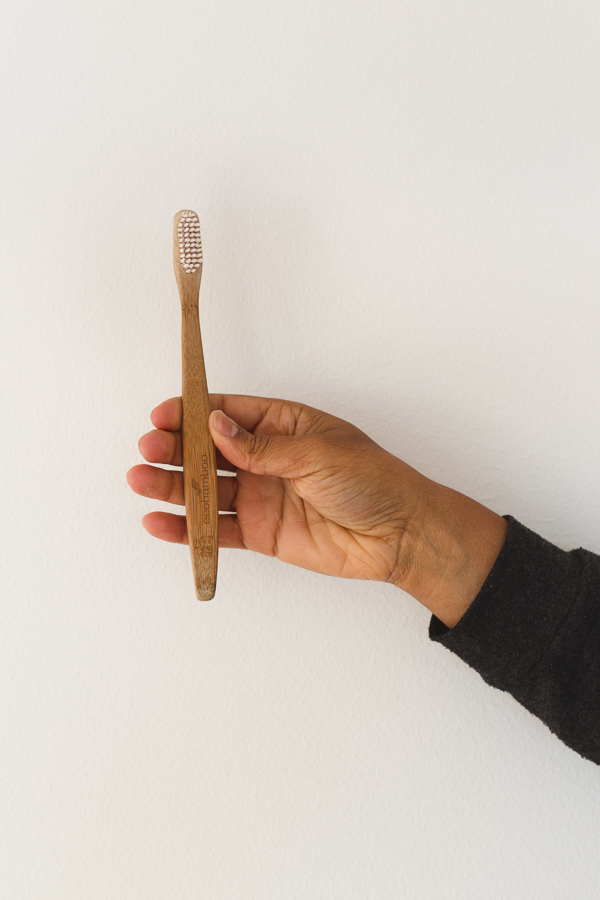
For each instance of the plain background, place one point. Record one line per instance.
(400, 209)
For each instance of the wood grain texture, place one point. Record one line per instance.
(199, 459)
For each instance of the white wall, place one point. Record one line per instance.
(400, 214)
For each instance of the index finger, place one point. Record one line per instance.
(246, 410)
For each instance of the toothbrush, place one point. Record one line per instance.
(199, 462)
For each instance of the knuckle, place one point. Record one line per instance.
(171, 489)
(298, 459)
(257, 448)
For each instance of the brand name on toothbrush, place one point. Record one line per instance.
(205, 482)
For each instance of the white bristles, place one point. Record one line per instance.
(190, 245)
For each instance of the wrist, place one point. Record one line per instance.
(450, 546)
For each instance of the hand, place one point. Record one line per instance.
(316, 492)
(308, 487)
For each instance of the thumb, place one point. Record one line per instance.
(277, 454)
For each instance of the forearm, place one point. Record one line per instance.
(449, 547)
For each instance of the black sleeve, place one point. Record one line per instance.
(534, 631)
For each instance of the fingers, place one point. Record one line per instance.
(257, 416)
(165, 447)
(159, 484)
(280, 455)
(168, 415)
(162, 447)
(168, 527)
(275, 416)
(167, 486)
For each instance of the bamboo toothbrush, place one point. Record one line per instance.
(199, 463)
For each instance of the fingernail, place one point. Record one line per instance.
(225, 425)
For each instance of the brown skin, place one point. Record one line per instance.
(317, 492)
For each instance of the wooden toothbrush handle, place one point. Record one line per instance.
(199, 462)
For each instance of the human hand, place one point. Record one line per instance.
(317, 492)
(308, 487)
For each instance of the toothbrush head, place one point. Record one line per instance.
(187, 256)
(189, 242)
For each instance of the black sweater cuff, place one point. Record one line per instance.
(509, 625)
(534, 631)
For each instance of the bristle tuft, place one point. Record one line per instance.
(190, 245)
